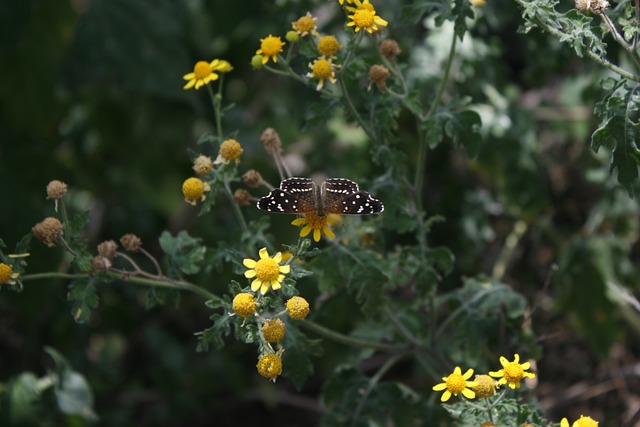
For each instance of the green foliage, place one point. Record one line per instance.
(185, 253)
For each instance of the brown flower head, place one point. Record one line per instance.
(242, 197)
(131, 242)
(252, 178)
(48, 231)
(378, 74)
(389, 48)
(107, 249)
(271, 141)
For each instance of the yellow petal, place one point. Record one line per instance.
(328, 232)
(190, 84)
(280, 278)
(189, 76)
(497, 374)
(264, 288)
(255, 285)
(278, 257)
(564, 423)
(250, 274)
(468, 374)
(439, 387)
(516, 358)
(525, 365)
(316, 235)
(503, 361)
(285, 269)
(263, 253)
(305, 230)
(445, 396)
(468, 393)
(249, 263)
(457, 370)
(299, 221)
(275, 285)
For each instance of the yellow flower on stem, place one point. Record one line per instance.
(364, 17)
(7, 275)
(582, 422)
(267, 271)
(456, 383)
(194, 189)
(512, 372)
(322, 69)
(270, 47)
(305, 25)
(319, 224)
(203, 73)
(328, 46)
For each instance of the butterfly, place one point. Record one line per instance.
(334, 196)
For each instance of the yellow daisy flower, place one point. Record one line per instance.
(306, 25)
(319, 225)
(364, 17)
(512, 372)
(203, 73)
(456, 383)
(328, 46)
(270, 47)
(267, 271)
(582, 422)
(322, 69)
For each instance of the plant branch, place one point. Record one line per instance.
(354, 342)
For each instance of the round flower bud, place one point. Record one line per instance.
(273, 330)
(6, 274)
(56, 189)
(378, 74)
(107, 249)
(298, 308)
(202, 165)
(486, 386)
(131, 242)
(271, 141)
(193, 189)
(244, 304)
(328, 45)
(48, 231)
(269, 366)
(252, 178)
(242, 197)
(231, 149)
(100, 263)
(292, 36)
(389, 48)
(256, 62)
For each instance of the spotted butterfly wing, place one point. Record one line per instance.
(295, 195)
(343, 196)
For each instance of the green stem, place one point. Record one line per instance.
(172, 284)
(352, 109)
(510, 244)
(234, 205)
(216, 103)
(354, 342)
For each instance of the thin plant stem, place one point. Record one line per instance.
(234, 205)
(510, 244)
(462, 308)
(216, 104)
(354, 342)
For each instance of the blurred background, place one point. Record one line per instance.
(91, 94)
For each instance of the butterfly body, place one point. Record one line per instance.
(334, 196)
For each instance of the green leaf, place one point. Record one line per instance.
(82, 293)
(299, 349)
(24, 398)
(22, 247)
(464, 129)
(213, 335)
(185, 253)
(463, 12)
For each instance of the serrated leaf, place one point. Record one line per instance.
(299, 349)
(22, 247)
(185, 253)
(213, 335)
(464, 129)
(82, 293)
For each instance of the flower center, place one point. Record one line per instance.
(513, 372)
(304, 24)
(5, 273)
(328, 45)
(321, 70)
(363, 18)
(201, 70)
(313, 220)
(267, 269)
(456, 383)
(271, 46)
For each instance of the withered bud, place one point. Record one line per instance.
(389, 48)
(378, 74)
(48, 231)
(202, 164)
(583, 5)
(56, 189)
(100, 263)
(131, 242)
(107, 249)
(271, 141)
(242, 197)
(252, 178)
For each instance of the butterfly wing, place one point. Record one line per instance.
(343, 196)
(295, 195)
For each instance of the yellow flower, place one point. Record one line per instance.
(322, 69)
(582, 422)
(348, 1)
(512, 372)
(364, 17)
(202, 74)
(319, 225)
(478, 3)
(7, 275)
(221, 65)
(305, 24)
(486, 386)
(273, 330)
(270, 366)
(231, 150)
(328, 45)
(244, 304)
(270, 47)
(298, 308)
(456, 383)
(194, 189)
(267, 271)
